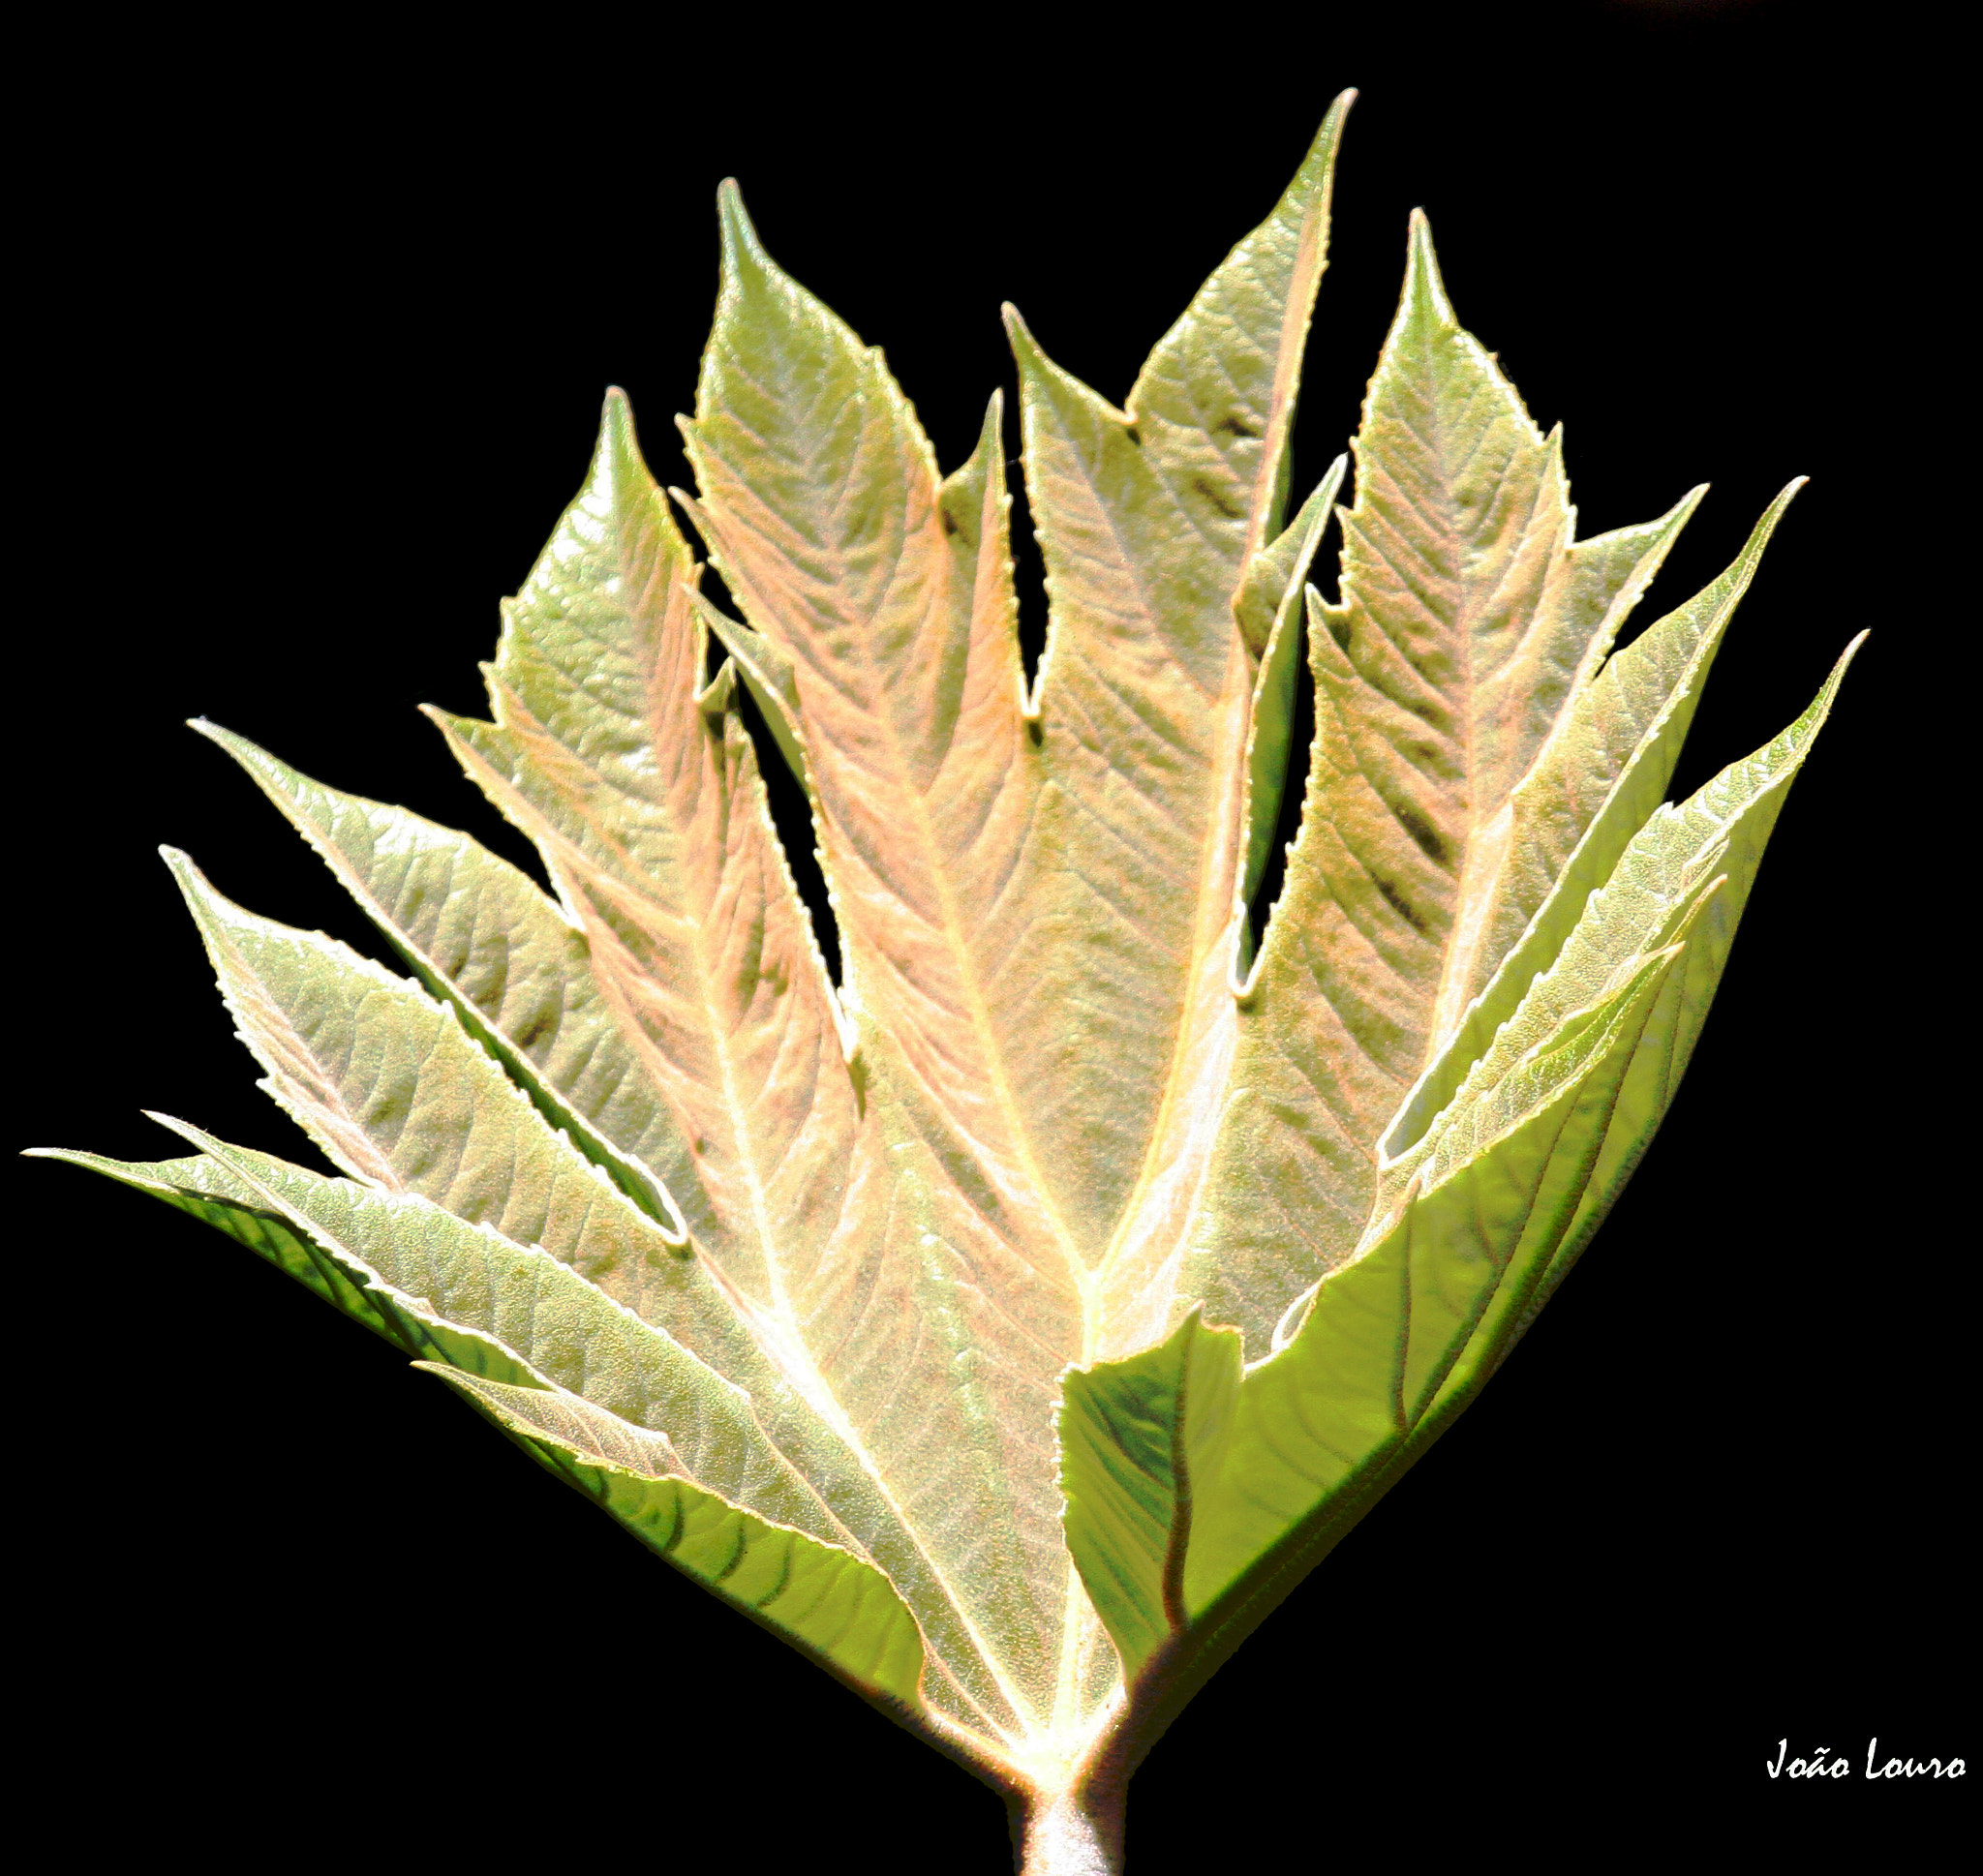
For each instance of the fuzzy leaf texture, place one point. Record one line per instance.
(1011, 1324)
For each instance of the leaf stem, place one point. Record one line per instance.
(1074, 1832)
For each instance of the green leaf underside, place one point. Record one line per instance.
(1355, 1382)
(1138, 1441)
(1007, 1326)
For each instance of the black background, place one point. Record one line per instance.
(328, 332)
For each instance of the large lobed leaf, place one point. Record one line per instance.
(1011, 1324)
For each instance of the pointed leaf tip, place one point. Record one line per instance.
(1027, 354)
(739, 231)
(1330, 131)
(616, 454)
(1424, 291)
(616, 415)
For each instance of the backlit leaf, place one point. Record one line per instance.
(1011, 1324)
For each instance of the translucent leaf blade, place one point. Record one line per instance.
(387, 1082)
(1217, 399)
(641, 789)
(483, 937)
(1574, 814)
(893, 1280)
(1471, 619)
(1664, 873)
(1153, 522)
(481, 1292)
(1690, 869)
(389, 1085)
(883, 623)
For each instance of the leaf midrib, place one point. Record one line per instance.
(938, 871)
(1227, 791)
(1206, 934)
(1474, 882)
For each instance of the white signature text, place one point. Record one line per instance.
(1821, 1765)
